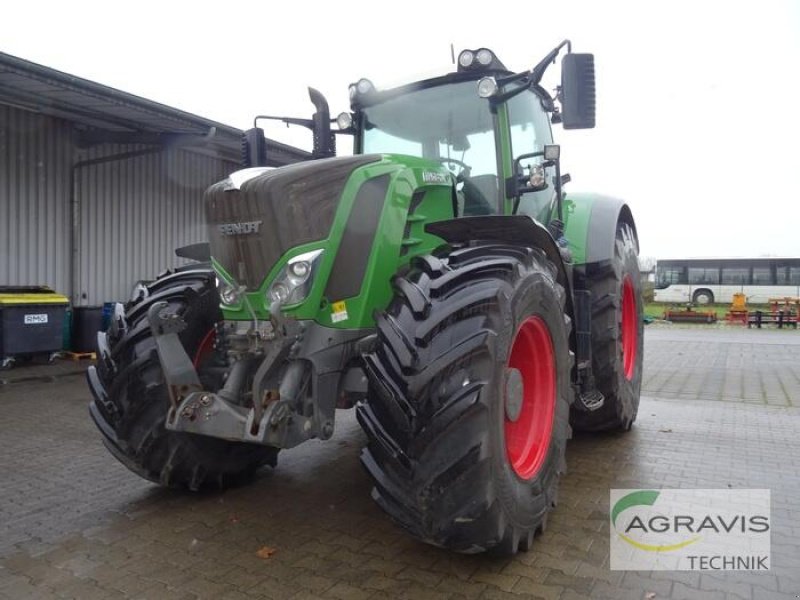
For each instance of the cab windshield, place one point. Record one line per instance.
(450, 124)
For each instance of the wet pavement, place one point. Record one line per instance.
(720, 408)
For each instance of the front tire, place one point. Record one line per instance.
(131, 399)
(452, 460)
(617, 337)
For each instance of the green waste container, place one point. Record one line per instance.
(31, 321)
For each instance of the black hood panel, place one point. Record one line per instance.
(251, 227)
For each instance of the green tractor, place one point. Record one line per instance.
(439, 281)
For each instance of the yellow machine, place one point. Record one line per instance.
(739, 303)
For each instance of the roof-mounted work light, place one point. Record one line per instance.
(478, 60)
(362, 87)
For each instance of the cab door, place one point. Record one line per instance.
(528, 131)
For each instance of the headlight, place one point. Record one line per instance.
(294, 280)
(300, 269)
(228, 293)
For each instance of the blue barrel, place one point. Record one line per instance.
(108, 314)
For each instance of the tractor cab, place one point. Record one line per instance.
(485, 125)
(488, 126)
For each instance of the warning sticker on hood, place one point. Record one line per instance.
(338, 312)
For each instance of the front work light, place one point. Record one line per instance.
(344, 121)
(466, 58)
(487, 87)
(294, 280)
(552, 152)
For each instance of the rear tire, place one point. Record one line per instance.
(445, 456)
(131, 399)
(617, 337)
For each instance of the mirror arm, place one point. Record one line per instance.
(538, 71)
(547, 100)
(505, 96)
(528, 81)
(517, 162)
(501, 81)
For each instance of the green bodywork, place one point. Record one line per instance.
(407, 175)
(577, 215)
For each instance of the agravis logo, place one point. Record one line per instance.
(690, 529)
(658, 524)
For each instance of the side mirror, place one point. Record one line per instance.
(527, 177)
(535, 179)
(577, 91)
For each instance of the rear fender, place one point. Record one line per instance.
(591, 226)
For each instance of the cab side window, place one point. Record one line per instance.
(530, 131)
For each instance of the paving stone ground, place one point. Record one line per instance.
(720, 408)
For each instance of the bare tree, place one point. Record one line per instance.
(647, 264)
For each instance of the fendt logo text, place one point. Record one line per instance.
(239, 228)
(434, 177)
(690, 529)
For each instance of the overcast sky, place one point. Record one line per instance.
(698, 122)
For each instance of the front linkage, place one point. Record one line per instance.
(283, 359)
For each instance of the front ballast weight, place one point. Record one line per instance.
(279, 409)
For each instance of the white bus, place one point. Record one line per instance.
(709, 280)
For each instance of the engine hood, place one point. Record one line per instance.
(255, 217)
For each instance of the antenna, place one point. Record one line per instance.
(452, 53)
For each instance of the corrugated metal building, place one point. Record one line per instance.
(98, 187)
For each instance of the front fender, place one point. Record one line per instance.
(516, 229)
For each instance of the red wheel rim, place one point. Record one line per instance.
(205, 348)
(630, 329)
(528, 437)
